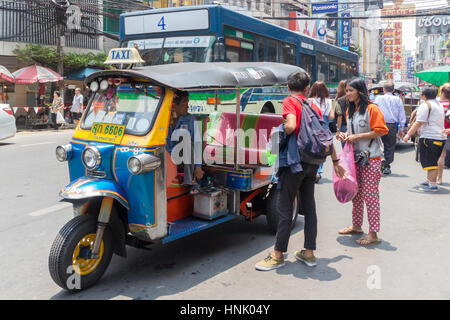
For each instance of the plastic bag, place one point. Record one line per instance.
(59, 118)
(346, 189)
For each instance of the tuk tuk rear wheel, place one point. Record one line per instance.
(69, 263)
(272, 209)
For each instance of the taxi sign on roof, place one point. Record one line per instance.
(123, 55)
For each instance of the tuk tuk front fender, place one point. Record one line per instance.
(88, 187)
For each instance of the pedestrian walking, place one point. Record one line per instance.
(341, 107)
(395, 118)
(430, 124)
(293, 182)
(77, 106)
(320, 96)
(445, 102)
(366, 126)
(56, 107)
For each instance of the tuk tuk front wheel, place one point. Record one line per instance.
(272, 210)
(70, 263)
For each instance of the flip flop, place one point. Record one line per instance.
(349, 230)
(371, 241)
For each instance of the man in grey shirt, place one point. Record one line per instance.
(395, 118)
(77, 106)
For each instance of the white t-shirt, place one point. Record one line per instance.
(434, 122)
(325, 107)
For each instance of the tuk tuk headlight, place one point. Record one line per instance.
(91, 158)
(64, 153)
(143, 163)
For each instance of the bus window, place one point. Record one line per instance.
(272, 51)
(322, 67)
(174, 49)
(334, 73)
(307, 63)
(260, 45)
(288, 52)
(238, 51)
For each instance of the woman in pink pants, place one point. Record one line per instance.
(365, 126)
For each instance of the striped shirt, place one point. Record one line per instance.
(392, 109)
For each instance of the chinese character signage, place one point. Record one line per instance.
(345, 27)
(397, 47)
(406, 9)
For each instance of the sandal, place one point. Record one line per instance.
(349, 230)
(367, 241)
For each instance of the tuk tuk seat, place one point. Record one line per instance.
(255, 134)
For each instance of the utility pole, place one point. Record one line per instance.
(60, 16)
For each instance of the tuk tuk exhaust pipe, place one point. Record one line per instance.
(103, 220)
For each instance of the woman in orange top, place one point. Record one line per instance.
(366, 125)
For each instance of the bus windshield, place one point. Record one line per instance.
(133, 106)
(158, 51)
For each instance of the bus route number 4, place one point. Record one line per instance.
(162, 24)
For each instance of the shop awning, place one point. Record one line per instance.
(81, 74)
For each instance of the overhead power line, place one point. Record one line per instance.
(424, 14)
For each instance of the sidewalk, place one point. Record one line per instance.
(23, 129)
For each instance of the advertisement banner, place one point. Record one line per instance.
(325, 7)
(432, 25)
(305, 27)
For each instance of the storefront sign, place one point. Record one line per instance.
(398, 10)
(432, 25)
(325, 7)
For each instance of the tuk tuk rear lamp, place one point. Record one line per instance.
(143, 163)
(64, 153)
(91, 158)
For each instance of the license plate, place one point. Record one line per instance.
(106, 132)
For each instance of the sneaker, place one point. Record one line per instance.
(270, 263)
(387, 171)
(310, 261)
(429, 188)
(423, 184)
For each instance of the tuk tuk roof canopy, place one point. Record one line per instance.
(200, 76)
(400, 86)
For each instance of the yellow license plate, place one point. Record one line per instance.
(106, 132)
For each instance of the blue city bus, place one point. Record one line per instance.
(215, 33)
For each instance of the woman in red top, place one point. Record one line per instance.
(445, 102)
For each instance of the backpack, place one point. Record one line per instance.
(413, 119)
(314, 140)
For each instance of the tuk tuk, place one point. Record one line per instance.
(408, 92)
(125, 187)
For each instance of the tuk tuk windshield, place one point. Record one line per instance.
(133, 106)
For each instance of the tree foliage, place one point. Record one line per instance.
(48, 57)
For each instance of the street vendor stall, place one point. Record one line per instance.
(36, 110)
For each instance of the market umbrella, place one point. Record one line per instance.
(33, 74)
(6, 75)
(437, 76)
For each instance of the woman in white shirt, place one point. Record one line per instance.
(320, 96)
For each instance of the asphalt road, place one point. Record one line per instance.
(412, 262)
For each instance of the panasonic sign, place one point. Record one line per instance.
(325, 7)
